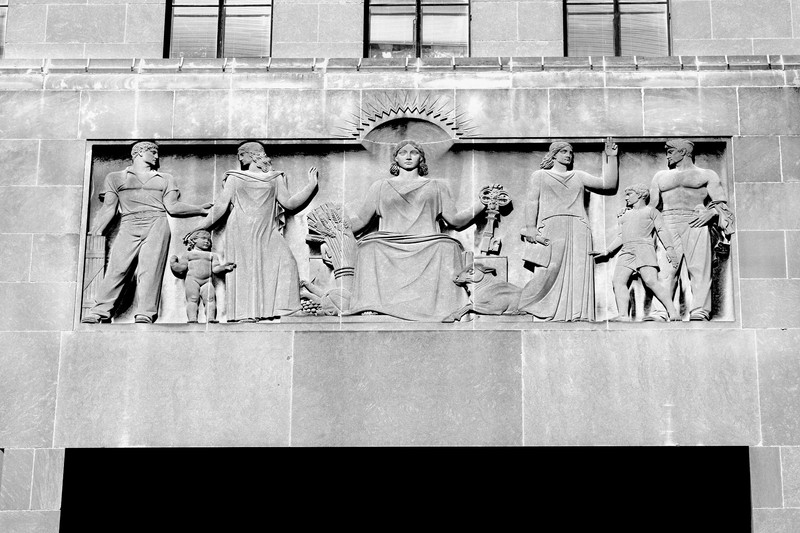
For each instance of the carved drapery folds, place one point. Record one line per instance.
(395, 231)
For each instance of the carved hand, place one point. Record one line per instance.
(703, 218)
(537, 239)
(672, 257)
(229, 266)
(173, 259)
(313, 176)
(611, 148)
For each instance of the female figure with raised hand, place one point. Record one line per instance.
(562, 287)
(406, 268)
(265, 283)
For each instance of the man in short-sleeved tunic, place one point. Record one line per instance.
(143, 196)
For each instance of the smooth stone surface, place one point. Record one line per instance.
(635, 388)
(310, 113)
(776, 520)
(790, 158)
(498, 18)
(174, 389)
(30, 521)
(299, 23)
(538, 21)
(126, 114)
(765, 206)
(62, 162)
(56, 115)
(54, 257)
(40, 209)
(769, 110)
(18, 164)
(36, 306)
(766, 488)
(15, 484)
(212, 114)
(406, 388)
(85, 24)
(778, 376)
(341, 23)
(117, 50)
(28, 389)
(762, 254)
(793, 253)
(506, 113)
(746, 18)
(756, 159)
(590, 112)
(26, 24)
(144, 23)
(770, 304)
(700, 111)
(790, 466)
(15, 253)
(690, 19)
(48, 478)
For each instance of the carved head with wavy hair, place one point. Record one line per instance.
(549, 160)
(408, 155)
(253, 153)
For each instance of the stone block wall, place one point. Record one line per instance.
(67, 385)
(85, 28)
(335, 28)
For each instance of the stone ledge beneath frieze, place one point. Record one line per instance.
(321, 73)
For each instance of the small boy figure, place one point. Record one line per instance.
(637, 223)
(197, 267)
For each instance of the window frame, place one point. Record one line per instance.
(418, 25)
(220, 27)
(617, 25)
(4, 28)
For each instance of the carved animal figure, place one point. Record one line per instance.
(490, 296)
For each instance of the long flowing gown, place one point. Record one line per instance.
(265, 282)
(564, 290)
(406, 268)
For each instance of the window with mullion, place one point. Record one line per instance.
(219, 28)
(3, 17)
(417, 28)
(616, 27)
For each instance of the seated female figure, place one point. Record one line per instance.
(406, 268)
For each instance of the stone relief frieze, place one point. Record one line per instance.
(419, 229)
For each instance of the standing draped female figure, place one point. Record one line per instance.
(562, 287)
(265, 283)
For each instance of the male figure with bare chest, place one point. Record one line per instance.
(691, 199)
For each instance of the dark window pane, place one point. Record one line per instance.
(247, 32)
(194, 32)
(391, 32)
(590, 35)
(644, 34)
(445, 31)
(3, 15)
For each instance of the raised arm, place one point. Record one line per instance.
(290, 203)
(367, 210)
(218, 267)
(452, 215)
(179, 267)
(610, 176)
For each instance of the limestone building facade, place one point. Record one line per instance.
(82, 80)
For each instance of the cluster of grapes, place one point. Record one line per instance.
(311, 308)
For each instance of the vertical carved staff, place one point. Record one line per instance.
(93, 269)
(493, 197)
